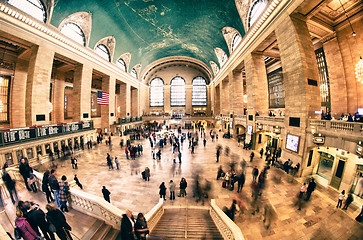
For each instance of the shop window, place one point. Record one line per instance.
(177, 92)
(29, 153)
(4, 98)
(19, 155)
(9, 158)
(39, 150)
(34, 8)
(199, 92)
(74, 32)
(47, 148)
(157, 92)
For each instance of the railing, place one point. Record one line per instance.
(351, 127)
(154, 215)
(91, 205)
(270, 119)
(3, 234)
(225, 225)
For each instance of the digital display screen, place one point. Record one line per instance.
(292, 142)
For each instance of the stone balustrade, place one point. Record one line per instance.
(154, 215)
(337, 126)
(227, 228)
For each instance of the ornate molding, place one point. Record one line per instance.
(220, 53)
(83, 20)
(328, 38)
(127, 58)
(137, 68)
(228, 34)
(215, 67)
(110, 43)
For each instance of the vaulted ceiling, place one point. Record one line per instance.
(154, 29)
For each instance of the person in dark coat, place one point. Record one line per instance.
(232, 210)
(56, 217)
(24, 170)
(162, 191)
(183, 186)
(45, 187)
(106, 194)
(77, 181)
(54, 185)
(348, 201)
(252, 156)
(241, 181)
(36, 218)
(255, 173)
(10, 185)
(359, 218)
(141, 228)
(310, 189)
(127, 226)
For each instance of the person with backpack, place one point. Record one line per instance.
(64, 194)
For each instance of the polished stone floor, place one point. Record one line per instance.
(318, 219)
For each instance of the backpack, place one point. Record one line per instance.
(66, 189)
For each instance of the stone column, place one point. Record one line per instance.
(122, 100)
(237, 99)
(256, 81)
(108, 85)
(188, 99)
(128, 100)
(337, 80)
(211, 99)
(134, 102)
(224, 96)
(167, 107)
(38, 85)
(299, 64)
(217, 100)
(18, 94)
(82, 81)
(58, 98)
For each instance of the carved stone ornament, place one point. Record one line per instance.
(243, 7)
(228, 34)
(83, 20)
(220, 53)
(137, 68)
(127, 58)
(110, 43)
(215, 67)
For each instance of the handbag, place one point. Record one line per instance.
(18, 234)
(52, 228)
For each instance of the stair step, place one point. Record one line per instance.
(92, 230)
(112, 234)
(101, 232)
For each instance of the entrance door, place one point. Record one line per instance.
(338, 174)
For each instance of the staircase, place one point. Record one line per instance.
(100, 230)
(183, 223)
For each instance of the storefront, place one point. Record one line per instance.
(357, 188)
(268, 139)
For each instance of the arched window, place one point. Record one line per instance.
(157, 93)
(199, 92)
(256, 9)
(134, 73)
(102, 51)
(121, 64)
(224, 59)
(236, 41)
(74, 32)
(34, 8)
(177, 92)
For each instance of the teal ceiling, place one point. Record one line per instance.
(154, 29)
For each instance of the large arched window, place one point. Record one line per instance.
(177, 92)
(74, 32)
(34, 8)
(199, 92)
(236, 41)
(121, 64)
(133, 73)
(102, 51)
(256, 9)
(157, 93)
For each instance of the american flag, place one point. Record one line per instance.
(102, 98)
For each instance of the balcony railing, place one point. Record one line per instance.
(270, 119)
(349, 127)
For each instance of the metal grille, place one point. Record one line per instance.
(157, 93)
(199, 92)
(177, 92)
(4, 98)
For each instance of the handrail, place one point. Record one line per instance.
(92, 205)
(225, 225)
(154, 215)
(74, 235)
(3, 234)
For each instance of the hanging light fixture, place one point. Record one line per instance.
(359, 65)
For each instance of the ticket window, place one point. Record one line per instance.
(70, 142)
(39, 150)
(55, 146)
(19, 155)
(29, 153)
(9, 158)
